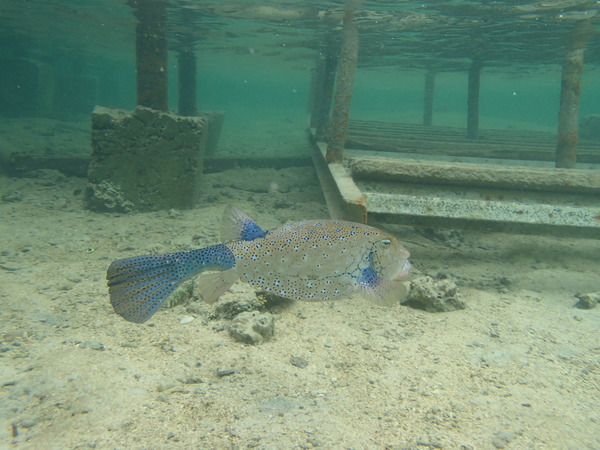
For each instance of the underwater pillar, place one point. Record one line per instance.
(151, 53)
(473, 100)
(322, 90)
(187, 81)
(570, 92)
(187, 64)
(428, 98)
(338, 125)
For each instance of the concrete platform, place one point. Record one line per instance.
(391, 187)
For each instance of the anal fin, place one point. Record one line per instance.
(211, 285)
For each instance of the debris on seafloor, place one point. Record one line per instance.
(107, 197)
(434, 295)
(587, 301)
(252, 327)
(240, 298)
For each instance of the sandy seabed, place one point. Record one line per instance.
(518, 368)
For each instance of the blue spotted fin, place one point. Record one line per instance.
(236, 225)
(138, 286)
(380, 290)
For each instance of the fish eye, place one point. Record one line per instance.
(386, 242)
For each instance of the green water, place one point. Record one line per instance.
(517, 368)
(255, 59)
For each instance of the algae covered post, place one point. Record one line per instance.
(343, 91)
(323, 89)
(151, 52)
(570, 92)
(187, 65)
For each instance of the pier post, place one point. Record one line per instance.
(187, 80)
(151, 53)
(570, 92)
(322, 92)
(338, 125)
(187, 65)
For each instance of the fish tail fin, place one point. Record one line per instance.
(138, 286)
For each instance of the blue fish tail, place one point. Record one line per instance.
(138, 286)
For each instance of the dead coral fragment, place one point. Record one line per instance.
(434, 295)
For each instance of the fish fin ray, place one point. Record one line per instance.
(379, 290)
(237, 225)
(139, 286)
(211, 285)
(386, 292)
(138, 302)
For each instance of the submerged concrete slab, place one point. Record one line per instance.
(463, 195)
(408, 170)
(497, 215)
(144, 160)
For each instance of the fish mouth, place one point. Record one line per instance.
(403, 270)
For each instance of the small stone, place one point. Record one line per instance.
(252, 327)
(191, 380)
(27, 423)
(588, 301)
(162, 387)
(242, 298)
(93, 345)
(225, 372)
(12, 196)
(503, 438)
(434, 295)
(298, 362)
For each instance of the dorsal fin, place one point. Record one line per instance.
(236, 225)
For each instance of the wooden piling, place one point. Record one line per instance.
(570, 92)
(338, 125)
(151, 53)
(187, 64)
(187, 81)
(322, 93)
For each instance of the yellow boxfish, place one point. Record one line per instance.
(312, 260)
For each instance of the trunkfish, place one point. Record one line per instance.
(313, 260)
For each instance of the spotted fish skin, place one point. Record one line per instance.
(312, 260)
(319, 260)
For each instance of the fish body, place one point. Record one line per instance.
(313, 260)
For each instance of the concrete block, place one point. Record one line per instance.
(149, 159)
(215, 124)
